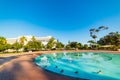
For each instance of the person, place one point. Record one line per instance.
(99, 72)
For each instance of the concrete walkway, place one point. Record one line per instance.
(23, 68)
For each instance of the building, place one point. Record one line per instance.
(44, 40)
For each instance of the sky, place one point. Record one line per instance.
(65, 20)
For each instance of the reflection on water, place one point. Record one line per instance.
(83, 64)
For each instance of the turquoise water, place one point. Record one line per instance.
(82, 65)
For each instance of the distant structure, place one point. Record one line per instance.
(44, 40)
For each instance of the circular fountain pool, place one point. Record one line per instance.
(86, 65)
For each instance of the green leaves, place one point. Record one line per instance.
(112, 38)
(73, 45)
(93, 31)
(59, 45)
(22, 40)
(33, 38)
(51, 44)
(3, 41)
(17, 46)
(34, 45)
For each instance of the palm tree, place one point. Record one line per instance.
(51, 44)
(22, 40)
(33, 38)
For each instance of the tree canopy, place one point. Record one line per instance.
(59, 45)
(73, 45)
(51, 44)
(22, 40)
(3, 44)
(93, 31)
(112, 38)
(16, 46)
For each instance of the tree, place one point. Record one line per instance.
(93, 32)
(33, 46)
(16, 46)
(59, 45)
(3, 43)
(73, 45)
(91, 43)
(85, 46)
(8, 46)
(51, 44)
(22, 40)
(112, 38)
(33, 38)
(68, 47)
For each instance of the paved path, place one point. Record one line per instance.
(23, 68)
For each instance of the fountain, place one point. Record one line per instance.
(65, 54)
(44, 61)
(86, 63)
(54, 55)
(44, 58)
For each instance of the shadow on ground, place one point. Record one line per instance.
(6, 59)
(23, 68)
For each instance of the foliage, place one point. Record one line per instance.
(85, 46)
(33, 38)
(73, 45)
(112, 38)
(8, 46)
(2, 48)
(93, 31)
(3, 41)
(3, 44)
(59, 45)
(33, 46)
(91, 42)
(16, 46)
(51, 44)
(22, 40)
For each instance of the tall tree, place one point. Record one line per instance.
(91, 42)
(3, 43)
(33, 38)
(93, 32)
(112, 38)
(51, 44)
(22, 40)
(74, 45)
(16, 46)
(59, 45)
(34, 46)
(85, 46)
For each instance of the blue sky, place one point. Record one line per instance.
(63, 19)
